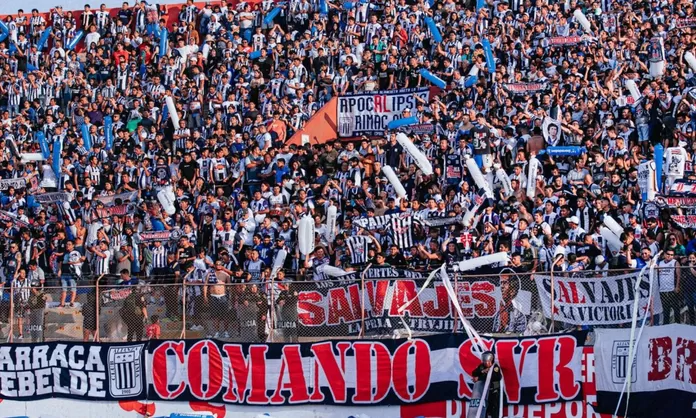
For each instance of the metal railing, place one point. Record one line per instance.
(288, 310)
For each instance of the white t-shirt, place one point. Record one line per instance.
(246, 20)
(92, 38)
(666, 275)
(49, 177)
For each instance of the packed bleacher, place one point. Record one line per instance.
(149, 149)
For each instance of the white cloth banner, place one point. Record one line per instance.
(665, 359)
(647, 180)
(595, 301)
(19, 183)
(111, 200)
(53, 197)
(369, 114)
(676, 162)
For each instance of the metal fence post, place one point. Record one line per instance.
(97, 306)
(362, 302)
(455, 314)
(183, 307)
(271, 310)
(11, 336)
(553, 295)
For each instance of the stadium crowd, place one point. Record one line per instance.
(241, 187)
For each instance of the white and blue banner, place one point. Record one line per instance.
(662, 371)
(370, 113)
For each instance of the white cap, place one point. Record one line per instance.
(573, 219)
(599, 259)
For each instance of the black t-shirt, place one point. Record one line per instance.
(252, 114)
(185, 253)
(125, 15)
(383, 77)
(188, 169)
(418, 263)
(481, 140)
(483, 376)
(397, 260)
(162, 172)
(587, 250)
(393, 154)
(59, 247)
(413, 76)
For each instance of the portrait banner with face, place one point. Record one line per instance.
(676, 162)
(551, 130)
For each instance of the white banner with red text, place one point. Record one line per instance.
(663, 371)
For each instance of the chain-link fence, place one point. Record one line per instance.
(357, 307)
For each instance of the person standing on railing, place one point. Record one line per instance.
(22, 292)
(196, 277)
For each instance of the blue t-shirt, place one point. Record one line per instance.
(157, 225)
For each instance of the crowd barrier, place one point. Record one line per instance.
(358, 307)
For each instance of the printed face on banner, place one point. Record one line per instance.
(655, 52)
